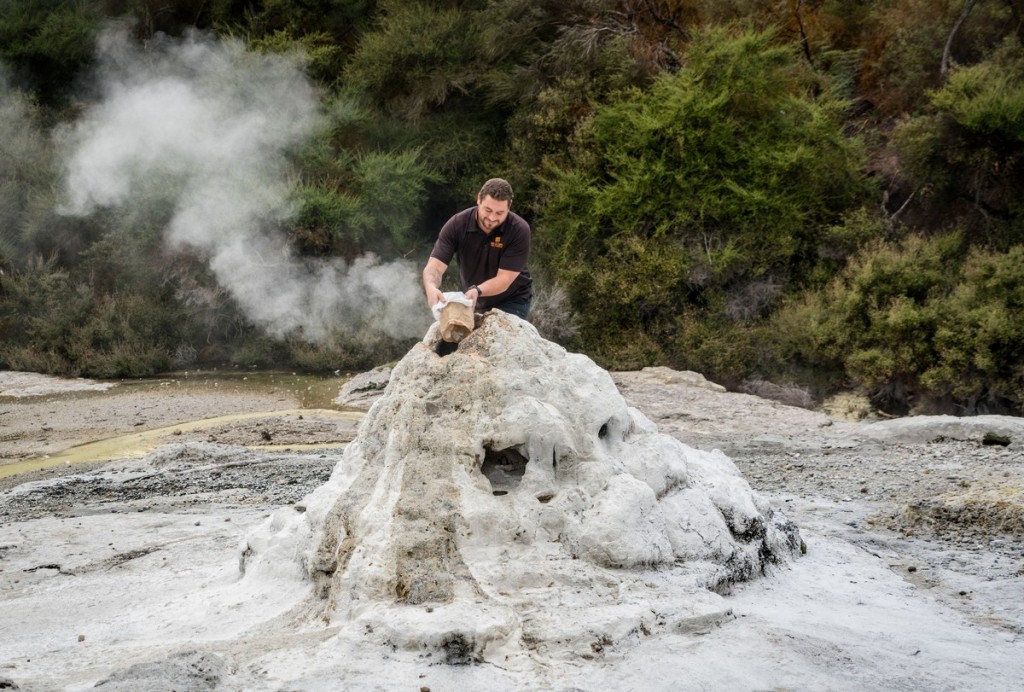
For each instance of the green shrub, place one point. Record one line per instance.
(106, 315)
(917, 326)
(51, 324)
(27, 173)
(697, 194)
(967, 152)
(353, 193)
(326, 219)
(323, 57)
(879, 314)
(48, 42)
(979, 340)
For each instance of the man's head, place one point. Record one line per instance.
(492, 204)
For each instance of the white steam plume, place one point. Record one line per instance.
(206, 125)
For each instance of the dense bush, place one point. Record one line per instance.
(351, 201)
(692, 201)
(103, 318)
(967, 153)
(25, 167)
(47, 43)
(918, 327)
(979, 339)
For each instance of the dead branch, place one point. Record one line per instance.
(944, 67)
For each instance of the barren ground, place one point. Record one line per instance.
(44, 420)
(939, 502)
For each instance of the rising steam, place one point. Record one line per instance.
(205, 125)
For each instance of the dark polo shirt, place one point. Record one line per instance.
(482, 255)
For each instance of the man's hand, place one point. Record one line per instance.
(434, 296)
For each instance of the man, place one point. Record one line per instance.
(493, 245)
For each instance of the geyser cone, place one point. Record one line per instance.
(487, 485)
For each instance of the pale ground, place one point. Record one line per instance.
(127, 572)
(47, 424)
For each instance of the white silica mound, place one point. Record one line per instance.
(504, 499)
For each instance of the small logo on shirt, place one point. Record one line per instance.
(496, 242)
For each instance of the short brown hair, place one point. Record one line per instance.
(497, 189)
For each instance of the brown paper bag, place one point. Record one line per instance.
(456, 321)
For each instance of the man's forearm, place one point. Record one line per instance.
(498, 284)
(431, 278)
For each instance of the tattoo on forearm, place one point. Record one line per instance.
(433, 277)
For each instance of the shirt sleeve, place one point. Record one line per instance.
(517, 252)
(447, 242)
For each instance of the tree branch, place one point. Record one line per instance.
(804, 42)
(944, 67)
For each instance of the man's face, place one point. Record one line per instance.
(490, 213)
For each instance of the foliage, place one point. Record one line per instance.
(580, 77)
(424, 67)
(968, 152)
(323, 57)
(356, 193)
(375, 211)
(879, 314)
(697, 188)
(463, 79)
(980, 338)
(47, 42)
(421, 55)
(903, 42)
(329, 25)
(917, 326)
(25, 167)
(106, 319)
(150, 17)
(715, 177)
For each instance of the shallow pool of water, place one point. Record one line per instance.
(312, 391)
(139, 444)
(315, 395)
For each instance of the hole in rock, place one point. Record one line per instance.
(991, 438)
(504, 468)
(445, 348)
(603, 432)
